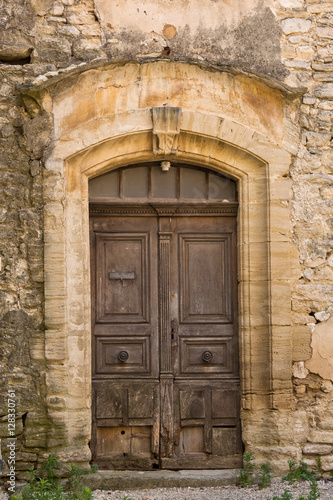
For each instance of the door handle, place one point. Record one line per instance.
(123, 356)
(207, 356)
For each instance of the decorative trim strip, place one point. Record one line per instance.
(163, 209)
(164, 280)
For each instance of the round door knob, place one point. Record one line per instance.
(123, 356)
(207, 356)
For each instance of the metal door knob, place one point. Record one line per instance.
(207, 356)
(123, 356)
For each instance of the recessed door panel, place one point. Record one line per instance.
(206, 356)
(122, 355)
(122, 278)
(204, 278)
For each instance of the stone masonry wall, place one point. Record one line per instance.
(307, 51)
(45, 39)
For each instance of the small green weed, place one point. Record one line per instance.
(314, 492)
(319, 466)
(286, 496)
(48, 487)
(246, 475)
(265, 476)
(298, 473)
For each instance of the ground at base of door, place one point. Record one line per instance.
(230, 492)
(120, 480)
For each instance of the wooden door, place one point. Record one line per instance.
(125, 342)
(165, 355)
(200, 383)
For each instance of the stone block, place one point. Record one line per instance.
(320, 7)
(55, 345)
(319, 436)
(69, 31)
(295, 25)
(86, 49)
(317, 449)
(317, 139)
(327, 463)
(321, 361)
(326, 33)
(280, 260)
(301, 338)
(54, 49)
(73, 454)
(324, 91)
(291, 4)
(36, 430)
(299, 370)
(37, 348)
(76, 16)
(280, 303)
(56, 382)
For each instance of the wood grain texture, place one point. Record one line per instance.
(165, 345)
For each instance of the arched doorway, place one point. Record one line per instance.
(165, 370)
(244, 142)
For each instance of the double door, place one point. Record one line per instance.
(165, 355)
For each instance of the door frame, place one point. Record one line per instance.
(258, 160)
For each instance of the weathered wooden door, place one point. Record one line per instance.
(125, 342)
(199, 381)
(165, 354)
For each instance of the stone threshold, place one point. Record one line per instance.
(125, 480)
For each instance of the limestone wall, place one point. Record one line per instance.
(45, 45)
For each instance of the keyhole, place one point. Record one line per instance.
(122, 432)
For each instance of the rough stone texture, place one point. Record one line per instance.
(321, 361)
(289, 40)
(244, 33)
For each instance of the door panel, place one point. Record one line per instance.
(205, 355)
(203, 284)
(125, 342)
(122, 278)
(205, 436)
(203, 319)
(165, 353)
(122, 356)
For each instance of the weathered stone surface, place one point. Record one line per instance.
(14, 46)
(325, 91)
(291, 4)
(322, 346)
(53, 49)
(299, 370)
(322, 316)
(327, 463)
(87, 49)
(317, 449)
(43, 44)
(295, 25)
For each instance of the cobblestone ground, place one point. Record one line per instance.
(298, 491)
(221, 493)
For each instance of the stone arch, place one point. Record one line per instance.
(254, 153)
